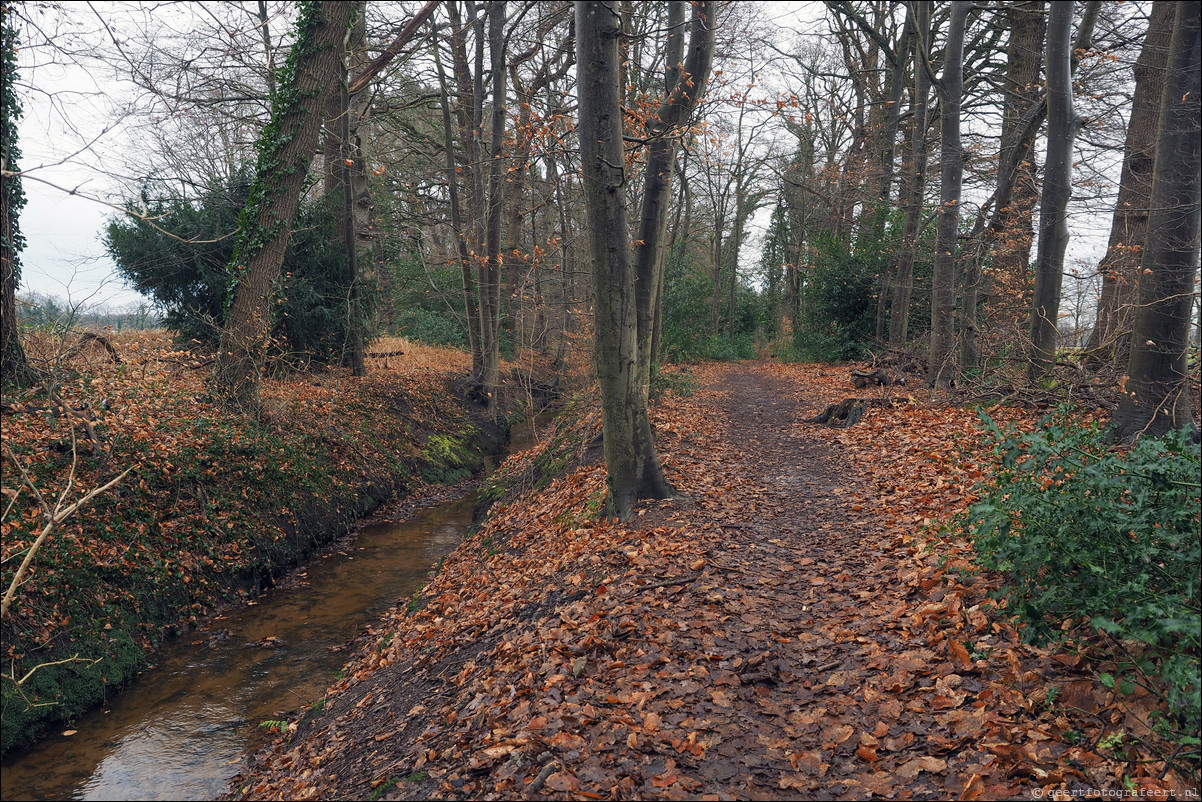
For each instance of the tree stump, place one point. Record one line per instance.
(849, 411)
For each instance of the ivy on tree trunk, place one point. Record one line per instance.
(13, 365)
(285, 150)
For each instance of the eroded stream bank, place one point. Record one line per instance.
(179, 731)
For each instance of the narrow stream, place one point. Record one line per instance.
(179, 731)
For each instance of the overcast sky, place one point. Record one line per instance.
(68, 106)
(63, 255)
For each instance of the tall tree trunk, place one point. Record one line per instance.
(472, 314)
(894, 85)
(1156, 397)
(631, 463)
(286, 149)
(268, 49)
(520, 172)
(1008, 233)
(343, 171)
(369, 265)
(515, 210)
(718, 260)
(1011, 233)
(471, 112)
(1057, 188)
(903, 281)
(354, 313)
(1110, 340)
(14, 367)
(490, 266)
(943, 284)
(661, 164)
(888, 149)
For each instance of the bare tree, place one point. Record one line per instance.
(632, 464)
(1155, 398)
(943, 293)
(1110, 341)
(1057, 187)
(1006, 233)
(683, 86)
(903, 282)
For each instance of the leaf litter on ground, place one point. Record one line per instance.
(791, 626)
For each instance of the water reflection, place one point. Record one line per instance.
(180, 729)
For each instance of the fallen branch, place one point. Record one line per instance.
(862, 378)
(12, 676)
(667, 583)
(89, 337)
(53, 517)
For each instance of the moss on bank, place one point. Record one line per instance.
(216, 507)
(572, 439)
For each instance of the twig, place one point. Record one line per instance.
(538, 781)
(54, 518)
(680, 580)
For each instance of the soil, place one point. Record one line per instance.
(764, 635)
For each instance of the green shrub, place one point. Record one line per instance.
(838, 304)
(834, 342)
(430, 326)
(190, 280)
(1084, 533)
(686, 334)
(680, 383)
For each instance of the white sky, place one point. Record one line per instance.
(64, 256)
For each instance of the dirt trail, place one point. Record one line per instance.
(816, 667)
(768, 635)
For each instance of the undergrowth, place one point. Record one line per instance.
(1086, 534)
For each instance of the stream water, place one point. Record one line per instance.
(181, 728)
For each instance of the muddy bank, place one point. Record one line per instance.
(215, 509)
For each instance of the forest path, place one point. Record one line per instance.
(775, 632)
(817, 664)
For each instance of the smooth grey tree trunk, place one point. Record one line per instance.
(1156, 397)
(472, 314)
(631, 463)
(490, 266)
(943, 284)
(345, 178)
(1110, 341)
(1007, 234)
(903, 279)
(1057, 188)
(683, 86)
(470, 107)
(888, 150)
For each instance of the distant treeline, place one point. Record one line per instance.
(38, 310)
